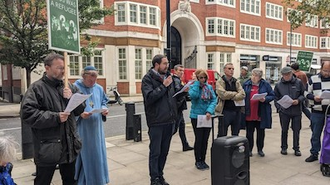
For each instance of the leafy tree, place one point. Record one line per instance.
(305, 9)
(23, 31)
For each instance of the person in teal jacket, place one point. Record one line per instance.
(203, 102)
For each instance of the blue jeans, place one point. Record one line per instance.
(317, 124)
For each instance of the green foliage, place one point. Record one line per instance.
(23, 30)
(305, 8)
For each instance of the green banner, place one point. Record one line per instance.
(304, 60)
(63, 25)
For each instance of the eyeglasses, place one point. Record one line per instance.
(91, 74)
(202, 77)
(230, 68)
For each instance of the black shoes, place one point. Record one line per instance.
(311, 158)
(159, 181)
(187, 148)
(202, 165)
(284, 152)
(250, 154)
(297, 153)
(261, 153)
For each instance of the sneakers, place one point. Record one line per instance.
(202, 165)
(250, 154)
(311, 158)
(261, 153)
(187, 148)
(284, 152)
(297, 153)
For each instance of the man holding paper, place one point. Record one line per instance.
(292, 88)
(42, 108)
(92, 167)
(317, 85)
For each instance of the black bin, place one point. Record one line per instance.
(230, 162)
(130, 111)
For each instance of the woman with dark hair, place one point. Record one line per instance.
(258, 113)
(203, 102)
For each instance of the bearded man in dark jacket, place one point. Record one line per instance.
(294, 88)
(161, 113)
(54, 131)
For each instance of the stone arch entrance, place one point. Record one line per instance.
(187, 34)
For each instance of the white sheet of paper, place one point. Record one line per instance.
(240, 103)
(97, 111)
(184, 87)
(203, 123)
(75, 100)
(325, 95)
(259, 96)
(285, 101)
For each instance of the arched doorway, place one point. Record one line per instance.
(176, 46)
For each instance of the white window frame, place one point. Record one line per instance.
(228, 3)
(225, 29)
(270, 7)
(312, 21)
(324, 25)
(244, 28)
(297, 39)
(138, 68)
(273, 36)
(138, 22)
(311, 41)
(210, 61)
(81, 66)
(246, 6)
(124, 59)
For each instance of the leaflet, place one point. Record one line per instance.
(184, 87)
(202, 122)
(75, 100)
(97, 110)
(325, 95)
(259, 96)
(286, 101)
(240, 103)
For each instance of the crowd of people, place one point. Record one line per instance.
(75, 142)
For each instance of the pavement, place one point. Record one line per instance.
(128, 160)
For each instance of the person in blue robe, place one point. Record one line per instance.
(91, 164)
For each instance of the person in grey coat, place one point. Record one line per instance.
(293, 87)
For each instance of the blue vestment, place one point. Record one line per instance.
(91, 164)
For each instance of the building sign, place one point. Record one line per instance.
(304, 60)
(63, 25)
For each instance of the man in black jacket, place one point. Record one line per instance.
(182, 105)
(161, 113)
(293, 87)
(54, 131)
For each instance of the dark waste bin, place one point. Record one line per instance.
(130, 111)
(137, 128)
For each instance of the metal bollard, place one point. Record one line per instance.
(130, 111)
(137, 128)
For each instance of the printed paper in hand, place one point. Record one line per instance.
(184, 87)
(75, 100)
(97, 111)
(258, 96)
(240, 103)
(325, 95)
(203, 123)
(285, 101)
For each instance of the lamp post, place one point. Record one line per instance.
(290, 40)
(168, 27)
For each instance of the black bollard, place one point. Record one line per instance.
(130, 111)
(137, 128)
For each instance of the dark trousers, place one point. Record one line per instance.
(296, 126)
(250, 127)
(160, 138)
(45, 174)
(233, 119)
(201, 140)
(181, 126)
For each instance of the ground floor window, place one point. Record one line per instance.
(250, 61)
(79, 62)
(272, 72)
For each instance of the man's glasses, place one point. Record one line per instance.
(230, 68)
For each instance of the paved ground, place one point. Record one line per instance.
(128, 161)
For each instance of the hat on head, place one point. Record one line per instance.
(245, 68)
(90, 68)
(286, 69)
